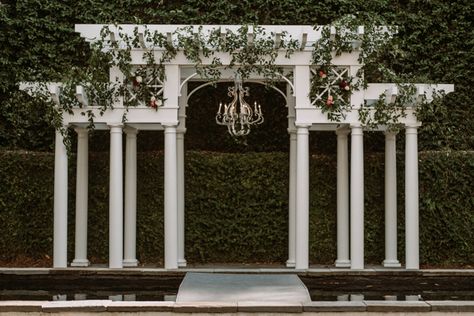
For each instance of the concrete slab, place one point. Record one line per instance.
(323, 306)
(20, 306)
(397, 306)
(24, 271)
(237, 270)
(140, 306)
(452, 306)
(205, 307)
(76, 306)
(269, 307)
(218, 287)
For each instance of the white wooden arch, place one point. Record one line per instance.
(206, 84)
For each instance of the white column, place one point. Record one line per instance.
(357, 198)
(302, 198)
(290, 103)
(411, 199)
(390, 201)
(181, 222)
(181, 130)
(342, 260)
(80, 258)
(171, 199)
(116, 198)
(130, 215)
(60, 203)
(292, 203)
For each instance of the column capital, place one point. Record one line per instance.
(302, 125)
(181, 130)
(170, 124)
(130, 130)
(302, 131)
(356, 130)
(81, 131)
(62, 127)
(411, 129)
(115, 126)
(342, 131)
(390, 133)
(170, 129)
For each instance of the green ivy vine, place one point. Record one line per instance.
(251, 50)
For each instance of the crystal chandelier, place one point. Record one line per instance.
(238, 115)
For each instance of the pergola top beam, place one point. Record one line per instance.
(307, 34)
(374, 90)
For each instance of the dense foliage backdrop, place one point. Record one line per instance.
(436, 44)
(37, 42)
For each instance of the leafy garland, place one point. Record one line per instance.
(256, 56)
(141, 84)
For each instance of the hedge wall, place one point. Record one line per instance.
(236, 207)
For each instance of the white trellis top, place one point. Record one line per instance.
(298, 71)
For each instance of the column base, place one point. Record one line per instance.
(80, 263)
(290, 263)
(343, 298)
(182, 263)
(130, 263)
(342, 263)
(391, 264)
(355, 267)
(357, 297)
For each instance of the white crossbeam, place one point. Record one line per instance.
(374, 90)
(304, 40)
(141, 40)
(113, 37)
(391, 94)
(277, 40)
(81, 96)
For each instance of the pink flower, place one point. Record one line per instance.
(153, 103)
(344, 85)
(330, 101)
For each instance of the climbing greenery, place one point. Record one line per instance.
(252, 50)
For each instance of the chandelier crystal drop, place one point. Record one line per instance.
(238, 115)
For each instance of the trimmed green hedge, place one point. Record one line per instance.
(236, 207)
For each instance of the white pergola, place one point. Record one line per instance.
(303, 117)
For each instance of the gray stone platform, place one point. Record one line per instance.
(220, 287)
